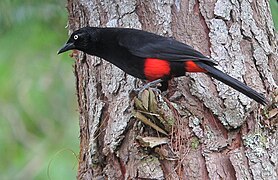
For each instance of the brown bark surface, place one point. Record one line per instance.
(214, 132)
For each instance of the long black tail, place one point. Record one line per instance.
(241, 87)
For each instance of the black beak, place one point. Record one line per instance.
(66, 47)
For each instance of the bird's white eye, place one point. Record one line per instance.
(75, 37)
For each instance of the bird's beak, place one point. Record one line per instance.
(66, 47)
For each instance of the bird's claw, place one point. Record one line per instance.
(139, 91)
(149, 85)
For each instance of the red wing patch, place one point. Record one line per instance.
(191, 66)
(156, 68)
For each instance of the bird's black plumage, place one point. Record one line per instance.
(149, 56)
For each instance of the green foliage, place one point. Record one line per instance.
(38, 115)
(274, 10)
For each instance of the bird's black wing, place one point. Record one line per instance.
(148, 45)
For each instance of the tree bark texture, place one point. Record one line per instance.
(214, 132)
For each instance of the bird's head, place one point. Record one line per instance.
(81, 39)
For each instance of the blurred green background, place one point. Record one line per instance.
(38, 117)
(274, 10)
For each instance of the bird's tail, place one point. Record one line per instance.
(234, 83)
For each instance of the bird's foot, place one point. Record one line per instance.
(149, 86)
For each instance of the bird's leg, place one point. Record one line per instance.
(148, 85)
(152, 83)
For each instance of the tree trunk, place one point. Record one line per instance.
(214, 132)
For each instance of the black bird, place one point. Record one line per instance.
(149, 56)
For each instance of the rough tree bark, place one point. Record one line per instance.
(214, 132)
